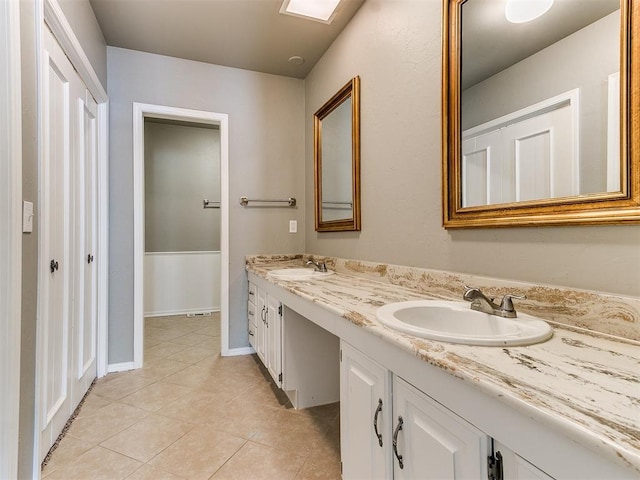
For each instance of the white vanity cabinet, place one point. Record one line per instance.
(365, 416)
(252, 316)
(517, 468)
(268, 330)
(390, 429)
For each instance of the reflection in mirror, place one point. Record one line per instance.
(538, 113)
(337, 161)
(534, 107)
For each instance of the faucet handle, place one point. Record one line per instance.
(507, 305)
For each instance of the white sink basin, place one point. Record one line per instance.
(293, 274)
(455, 322)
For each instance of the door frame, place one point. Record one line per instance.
(10, 235)
(140, 112)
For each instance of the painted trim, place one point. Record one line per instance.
(121, 367)
(140, 112)
(168, 313)
(62, 31)
(240, 351)
(102, 258)
(10, 236)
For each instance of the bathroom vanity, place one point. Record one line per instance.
(567, 408)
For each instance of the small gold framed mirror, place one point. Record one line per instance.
(548, 136)
(336, 148)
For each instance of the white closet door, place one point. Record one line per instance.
(85, 314)
(61, 90)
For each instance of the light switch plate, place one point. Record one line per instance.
(27, 217)
(293, 226)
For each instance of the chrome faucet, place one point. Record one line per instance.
(319, 266)
(482, 303)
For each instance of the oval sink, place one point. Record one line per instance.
(292, 274)
(455, 322)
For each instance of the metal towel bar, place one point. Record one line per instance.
(291, 202)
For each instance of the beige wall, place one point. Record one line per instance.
(395, 47)
(181, 169)
(266, 160)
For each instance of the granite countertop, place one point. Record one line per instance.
(578, 380)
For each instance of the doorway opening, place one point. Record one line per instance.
(181, 245)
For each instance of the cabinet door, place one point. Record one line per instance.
(261, 323)
(433, 442)
(515, 467)
(365, 407)
(273, 353)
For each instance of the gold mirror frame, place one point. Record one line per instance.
(591, 209)
(350, 90)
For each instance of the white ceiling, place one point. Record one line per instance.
(247, 34)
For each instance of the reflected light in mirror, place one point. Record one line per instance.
(522, 11)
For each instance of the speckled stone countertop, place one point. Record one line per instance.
(582, 381)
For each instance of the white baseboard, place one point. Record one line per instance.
(232, 352)
(121, 367)
(168, 313)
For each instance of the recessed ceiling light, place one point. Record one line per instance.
(296, 60)
(318, 10)
(521, 11)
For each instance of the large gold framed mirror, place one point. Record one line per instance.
(541, 118)
(336, 130)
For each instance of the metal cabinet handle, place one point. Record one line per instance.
(53, 266)
(375, 421)
(89, 258)
(395, 442)
(250, 333)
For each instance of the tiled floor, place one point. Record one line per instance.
(192, 414)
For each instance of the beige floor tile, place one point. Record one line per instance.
(92, 404)
(193, 376)
(147, 472)
(191, 339)
(147, 438)
(191, 355)
(213, 331)
(199, 453)
(111, 420)
(68, 451)
(242, 418)
(292, 433)
(162, 350)
(159, 368)
(162, 334)
(97, 464)
(230, 386)
(199, 405)
(156, 396)
(323, 470)
(328, 413)
(259, 462)
(120, 386)
(209, 342)
(266, 393)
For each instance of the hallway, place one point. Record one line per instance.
(192, 414)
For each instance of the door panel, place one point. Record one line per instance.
(59, 265)
(365, 396)
(435, 444)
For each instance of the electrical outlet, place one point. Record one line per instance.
(293, 226)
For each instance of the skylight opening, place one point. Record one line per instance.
(318, 10)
